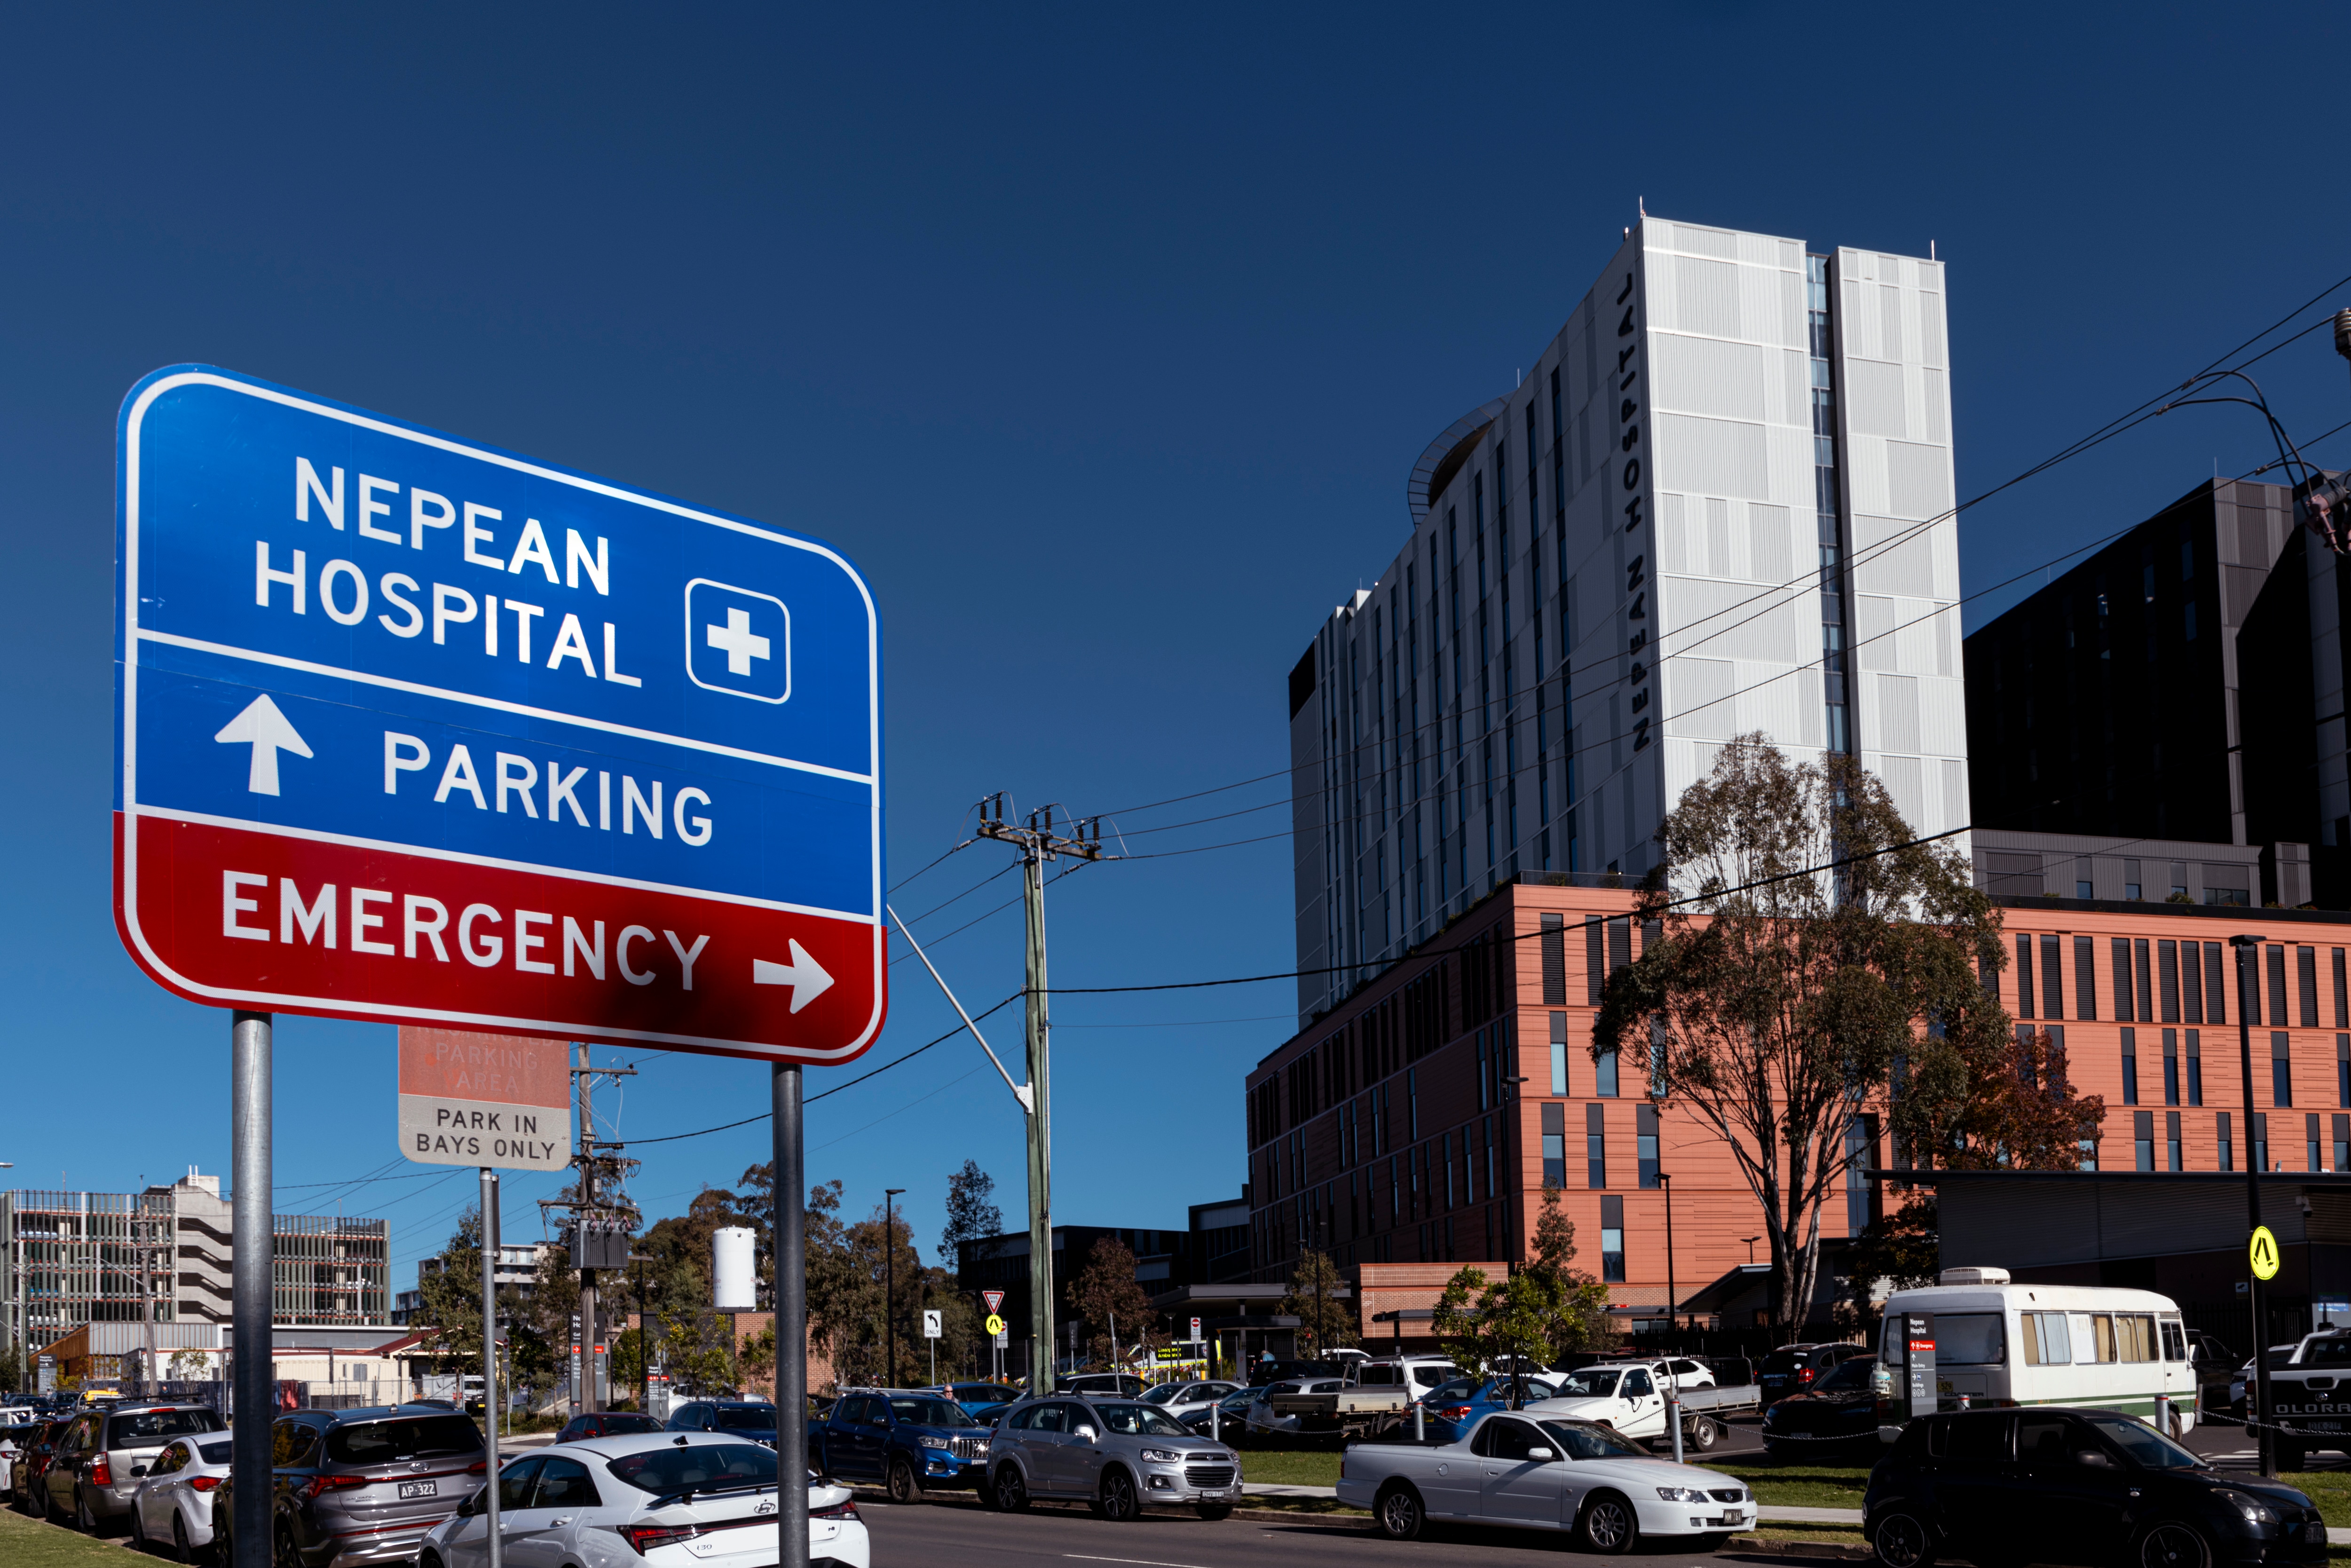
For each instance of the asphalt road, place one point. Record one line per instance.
(961, 1535)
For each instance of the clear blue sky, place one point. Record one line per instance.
(1103, 341)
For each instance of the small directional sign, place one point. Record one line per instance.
(931, 1322)
(2263, 1252)
(415, 730)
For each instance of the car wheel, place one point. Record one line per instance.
(902, 1485)
(2171, 1545)
(1398, 1509)
(1608, 1525)
(85, 1519)
(1117, 1502)
(180, 1550)
(1903, 1541)
(1011, 1490)
(1704, 1434)
(138, 1527)
(289, 1555)
(1215, 1510)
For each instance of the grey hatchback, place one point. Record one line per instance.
(1119, 1456)
(361, 1486)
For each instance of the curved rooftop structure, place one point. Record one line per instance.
(1445, 456)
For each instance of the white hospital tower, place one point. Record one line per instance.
(1730, 466)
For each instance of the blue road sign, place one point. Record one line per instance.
(414, 729)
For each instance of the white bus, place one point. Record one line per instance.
(1998, 1343)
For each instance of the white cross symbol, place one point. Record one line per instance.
(736, 638)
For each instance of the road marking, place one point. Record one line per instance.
(1140, 1562)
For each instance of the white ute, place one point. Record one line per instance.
(1533, 1473)
(1631, 1397)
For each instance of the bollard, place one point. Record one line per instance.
(1419, 1422)
(1215, 1412)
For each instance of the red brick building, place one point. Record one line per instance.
(1417, 1121)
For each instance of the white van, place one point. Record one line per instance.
(1999, 1343)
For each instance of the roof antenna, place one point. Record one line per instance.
(1930, 250)
(1641, 205)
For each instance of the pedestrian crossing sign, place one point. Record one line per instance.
(2264, 1253)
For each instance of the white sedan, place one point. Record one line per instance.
(649, 1500)
(1573, 1477)
(174, 1505)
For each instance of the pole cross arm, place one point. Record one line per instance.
(1019, 1091)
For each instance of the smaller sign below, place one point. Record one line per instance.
(500, 1100)
(995, 1300)
(931, 1323)
(1195, 1331)
(1002, 1339)
(995, 1326)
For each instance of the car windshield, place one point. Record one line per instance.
(417, 1438)
(1140, 1421)
(2143, 1443)
(704, 1467)
(920, 1412)
(1592, 1383)
(1581, 1440)
(747, 1418)
(1455, 1392)
(1852, 1375)
(216, 1453)
(142, 1428)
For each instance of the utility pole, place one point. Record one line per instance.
(592, 1241)
(1038, 842)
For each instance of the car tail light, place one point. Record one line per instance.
(844, 1509)
(1452, 1412)
(101, 1474)
(319, 1485)
(204, 1484)
(644, 1538)
(481, 1466)
(1805, 1375)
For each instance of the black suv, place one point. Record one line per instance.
(2076, 1486)
(361, 1486)
(1792, 1368)
(754, 1420)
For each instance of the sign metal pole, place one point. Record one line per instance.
(250, 1241)
(2248, 997)
(490, 1357)
(791, 1323)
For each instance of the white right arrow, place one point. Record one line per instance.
(804, 974)
(267, 731)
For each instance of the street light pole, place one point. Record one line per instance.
(1673, 1308)
(2248, 951)
(890, 1284)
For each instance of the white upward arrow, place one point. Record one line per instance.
(267, 731)
(804, 974)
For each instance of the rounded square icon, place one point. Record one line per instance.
(737, 641)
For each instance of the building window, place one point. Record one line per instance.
(2227, 1147)
(1645, 1145)
(1612, 1241)
(2281, 1070)
(2171, 1141)
(2342, 994)
(2277, 986)
(2168, 967)
(1554, 1145)
(2053, 981)
(2196, 1068)
(2342, 1130)
(2024, 977)
(2257, 1140)
(2143, 1138)
(2124, 1010)
(2130, 1067)
(2086, 976)
(2305, 974)
(1603, 1075)
(1596, 1149)
(1559, 1055)
(1412, 1103)
(2342, 1069)
(2310, 1160)
(2171, 1067)
(1489, 1156)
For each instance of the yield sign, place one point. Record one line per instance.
(995, 1300)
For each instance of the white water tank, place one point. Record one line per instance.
(734, 1271)
(1973, 1277)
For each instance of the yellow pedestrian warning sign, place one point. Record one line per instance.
(996, 1324)
(2264, 1252)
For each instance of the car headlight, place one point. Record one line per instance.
(1162, 1457)
(1681, 1494)
(2251, 1508)
(926, 1440)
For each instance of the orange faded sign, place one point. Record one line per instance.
(484, 1099)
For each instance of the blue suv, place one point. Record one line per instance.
(910, 1442)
